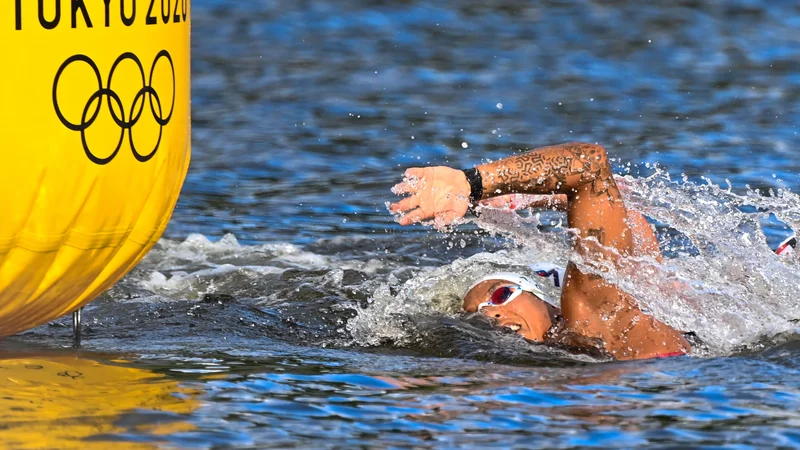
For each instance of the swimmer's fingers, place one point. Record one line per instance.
(417, 215)
(446, 218)
(406, 204)
(413, 181)
(404, 188)
(415, 172)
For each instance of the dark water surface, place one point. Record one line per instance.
(285, 308)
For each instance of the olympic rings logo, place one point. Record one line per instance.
(88, 116)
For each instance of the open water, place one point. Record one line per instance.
(285, 308)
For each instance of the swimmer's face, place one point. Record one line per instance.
(526, 314)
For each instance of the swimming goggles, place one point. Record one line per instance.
(524, 283)
(502, 295)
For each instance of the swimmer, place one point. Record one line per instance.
(595, 314)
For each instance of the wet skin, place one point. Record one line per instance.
(526, 314)
(593, 309)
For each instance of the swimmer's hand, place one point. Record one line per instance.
(438, 193)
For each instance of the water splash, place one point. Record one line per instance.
(730, 288)
(719, 279)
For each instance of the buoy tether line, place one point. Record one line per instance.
(76, 327)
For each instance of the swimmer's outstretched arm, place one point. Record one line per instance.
(443, 194)
(591, 307)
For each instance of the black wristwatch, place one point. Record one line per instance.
(475, 185)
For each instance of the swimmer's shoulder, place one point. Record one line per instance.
(564, 338)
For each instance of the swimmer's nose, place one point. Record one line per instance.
(495, 312)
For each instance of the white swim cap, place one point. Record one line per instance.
(553, 272)
(526, 283)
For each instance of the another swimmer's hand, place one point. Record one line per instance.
(509, 201)
(438, 193)
(556, 202)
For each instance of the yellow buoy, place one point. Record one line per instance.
(95, 145)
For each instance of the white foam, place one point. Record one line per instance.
(733, 291)
(196, 266)
(432, 291)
